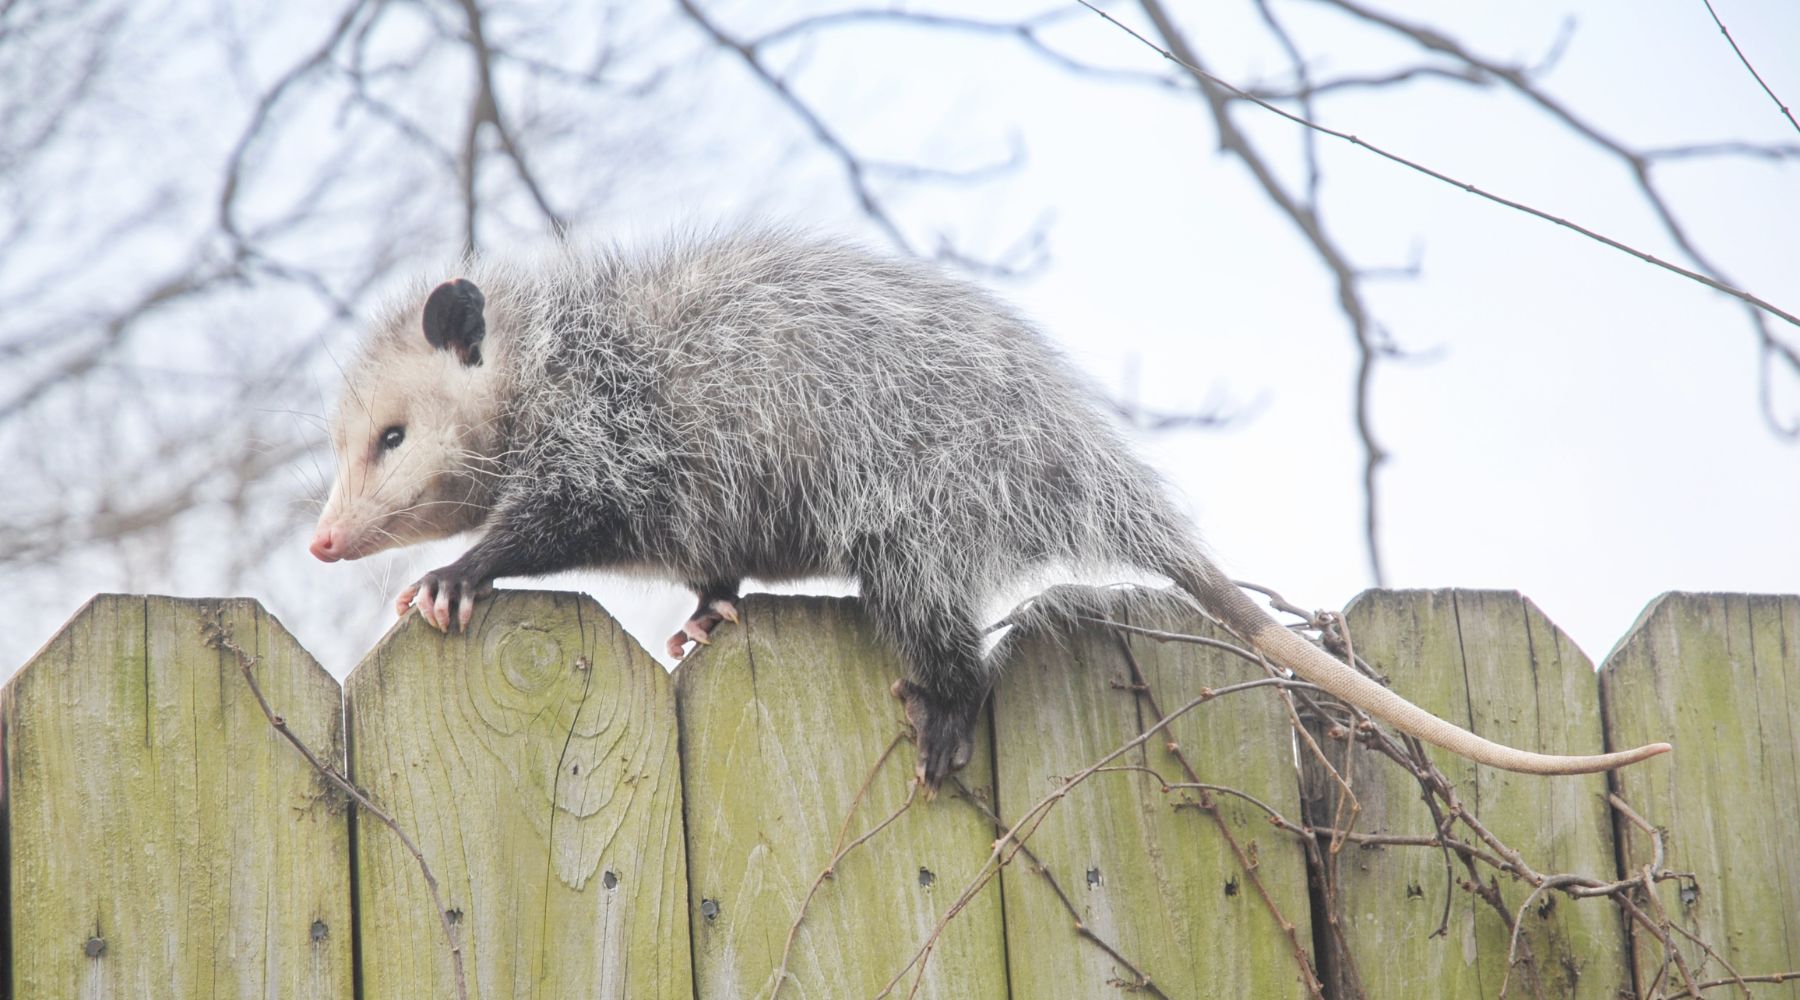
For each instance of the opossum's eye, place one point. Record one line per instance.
(391, 438)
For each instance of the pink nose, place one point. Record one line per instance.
(326, 546)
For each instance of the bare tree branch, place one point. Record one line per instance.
(113, 332)
(1637, 164)
(1311, 226)
(1710, 282)
(259, 118)
(1779, 103)
(1304, 215)
(855, 173)
(1027, 31)
(488, 110)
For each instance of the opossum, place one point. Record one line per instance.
(762, 403)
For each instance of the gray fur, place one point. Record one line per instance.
(770, 405)
(870, 396)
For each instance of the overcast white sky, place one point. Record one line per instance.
(1581, 427)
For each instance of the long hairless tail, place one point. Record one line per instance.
(1220, 596)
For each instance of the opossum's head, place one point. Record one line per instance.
(416, 433)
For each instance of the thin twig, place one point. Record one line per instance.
(839, 851)
(1671, 951)
(1512, 946)
(854, 171)
(1779, 103)
(1305, 217)
(488, 108)
(1010, 842)
(1638, 164)
(1648, 258)
(1712, 954)
(217, 632)
(1140, 980)
(1767, 977)
(1302, 956)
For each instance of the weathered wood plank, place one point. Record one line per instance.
(1490, 661)
(1157, 881)
(534, 762)
(783, 719)
(1717, 675)
(164, 840)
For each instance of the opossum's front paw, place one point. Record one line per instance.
(698, 628)
(439, 592)
(944, 729)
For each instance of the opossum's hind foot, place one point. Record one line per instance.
(944, 729)
(445, 598)
(698, 628)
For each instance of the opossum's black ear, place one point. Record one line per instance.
(453, 319)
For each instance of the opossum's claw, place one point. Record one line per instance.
(698, 629)
(404, 602)
(442, 593)
(441, 614)
(945, 731)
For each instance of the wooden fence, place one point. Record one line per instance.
(598, 828)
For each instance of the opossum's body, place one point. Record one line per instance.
(763, 405)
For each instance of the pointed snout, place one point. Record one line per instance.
(327, 544)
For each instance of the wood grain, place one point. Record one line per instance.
(164, 840)
(534, 762)
(784, 718)
(1493, 663)
(1158, 882)
(1717, 675)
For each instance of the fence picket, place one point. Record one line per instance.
(783, 719)
(1717, 675)
(1489, 660)
(1154, 879)
(534, 762)
(163, 839)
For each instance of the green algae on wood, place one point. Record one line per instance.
(1718, 676)
(533, 760)
(164, 839)
(1491, 662)
(783, 720)
(1148, 873)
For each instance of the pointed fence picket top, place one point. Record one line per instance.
(1175, 890)
(533, 760)
(1717, 675)
(164, 840)
(599, 829)
(784, 720)
(1492, 662)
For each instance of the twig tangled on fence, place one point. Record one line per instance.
(217, 633)
(1459, 834)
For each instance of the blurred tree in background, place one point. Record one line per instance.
(197, 200)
